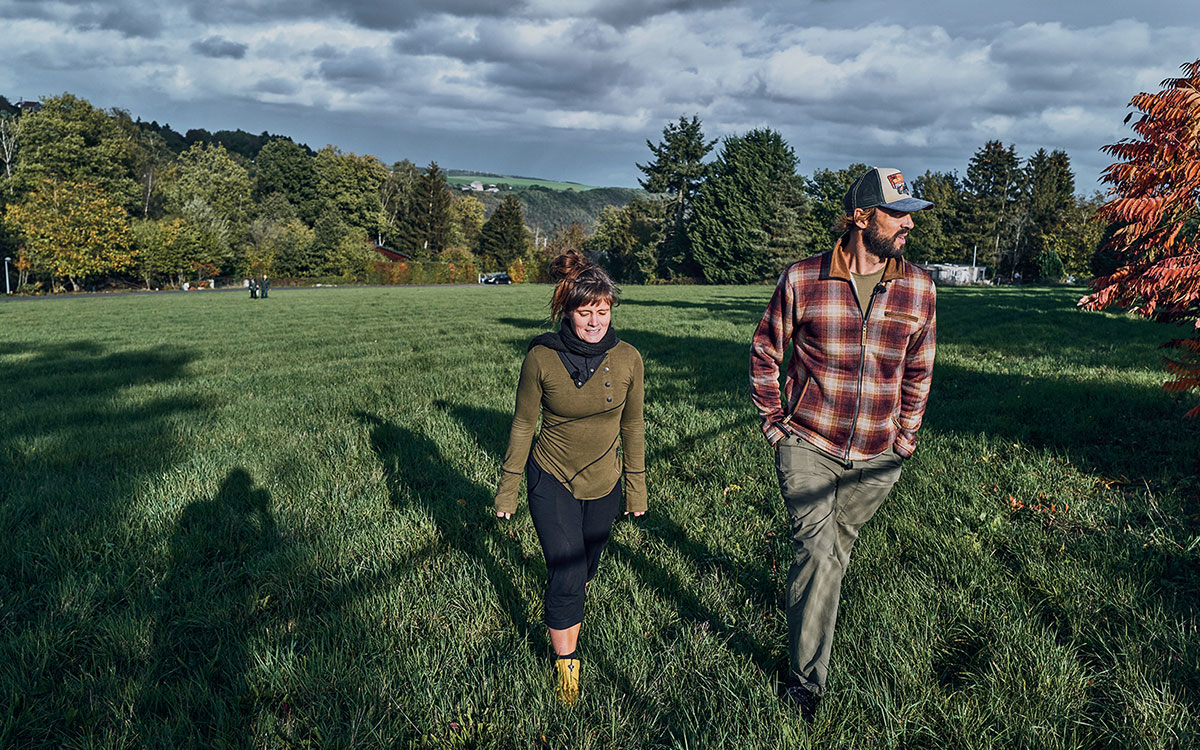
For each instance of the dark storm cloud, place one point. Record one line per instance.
(623, 14)
(358, 68)
(215, 46)
(130, 19)
(279, 86)
(369, 14)
(582, 62)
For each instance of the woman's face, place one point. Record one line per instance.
(591, 320)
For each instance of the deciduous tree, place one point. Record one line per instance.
(1155, 186)
(9, 141)
(73, 231)
(69, 140)
(166, 247)
(825, 190)
(466, 221)
(287, 168)
(627, 239)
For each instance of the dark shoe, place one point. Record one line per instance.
(802, 700)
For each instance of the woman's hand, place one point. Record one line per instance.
(502, 514)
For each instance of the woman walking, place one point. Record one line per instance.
(586, 386)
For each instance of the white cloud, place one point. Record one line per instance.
(925, 82)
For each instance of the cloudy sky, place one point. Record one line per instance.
(572, 89)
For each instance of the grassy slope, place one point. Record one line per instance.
(516, 182)
(268, 523)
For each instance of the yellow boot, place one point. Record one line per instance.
(568, 680)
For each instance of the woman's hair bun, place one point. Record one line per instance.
(568, 265)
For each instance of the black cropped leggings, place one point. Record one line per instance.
(573, 534)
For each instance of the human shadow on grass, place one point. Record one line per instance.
(195, 686)
(82, 431)
(418, 474)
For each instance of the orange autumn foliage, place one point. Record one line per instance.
(1155, 207)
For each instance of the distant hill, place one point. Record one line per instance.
(547, 209)
(463, 177)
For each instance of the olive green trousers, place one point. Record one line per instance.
(828, 501)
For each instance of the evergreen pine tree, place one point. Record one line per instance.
(677, 172)
(748, 212)
(431, 218)
(503, 238)
(995, 188)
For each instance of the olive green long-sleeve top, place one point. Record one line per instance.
(581, 427)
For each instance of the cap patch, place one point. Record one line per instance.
(898, 185)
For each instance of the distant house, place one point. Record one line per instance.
(951, 274)
(391, 254)
(477, 186)
(27, 107)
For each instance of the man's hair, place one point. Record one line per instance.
(845, 223)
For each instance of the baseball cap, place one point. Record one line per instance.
(881, 186)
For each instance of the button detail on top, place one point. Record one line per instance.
(609, 398)
(608, 385)
(606, 369)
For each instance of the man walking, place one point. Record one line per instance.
(860, 320)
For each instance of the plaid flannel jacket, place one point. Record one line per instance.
(856, 384)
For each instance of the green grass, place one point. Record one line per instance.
(267, 523)
(517, 182)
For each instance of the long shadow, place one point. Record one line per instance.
(737, 310)
(195, 687)
(81, 433)
(417, 473)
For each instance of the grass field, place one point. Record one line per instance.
(267, 523)
(517, 182)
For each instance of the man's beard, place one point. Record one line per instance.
(881, 246)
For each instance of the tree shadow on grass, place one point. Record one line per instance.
(83, 429)
(739, 310)
(1128, 435)
(195, 687)
(417, 473)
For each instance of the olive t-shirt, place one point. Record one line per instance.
(864, 285)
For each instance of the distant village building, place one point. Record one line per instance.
(951, 274)
(27, 107)
(478, 187)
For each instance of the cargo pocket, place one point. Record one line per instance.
(798, 472)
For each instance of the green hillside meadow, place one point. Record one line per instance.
(267, 523)
(515, 182)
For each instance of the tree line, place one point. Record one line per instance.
(91, 197)
(745, 214)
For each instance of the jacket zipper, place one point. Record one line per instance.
(862, 359)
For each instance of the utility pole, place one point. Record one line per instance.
(7, 289)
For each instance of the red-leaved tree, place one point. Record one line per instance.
(1156, 209)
